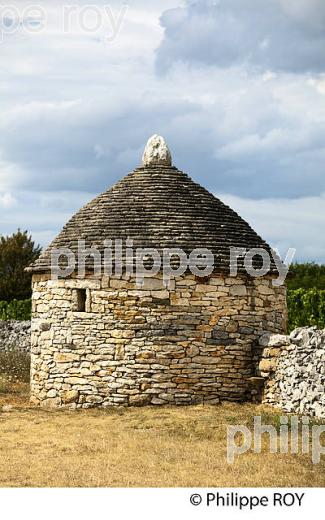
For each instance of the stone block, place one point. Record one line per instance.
(70, 396)
(65, 357)
(139, 399)
(267, 365)
(265, 290)
(77, 381)
(205, 288)
(273, 340)
(153, 284)
(51, 403)
(162, 295)
(238, 290)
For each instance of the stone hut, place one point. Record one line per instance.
(105, 339)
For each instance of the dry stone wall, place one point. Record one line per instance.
(190, 343)
(15, 336)
(294, 371)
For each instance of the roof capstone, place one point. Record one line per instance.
(156, 152)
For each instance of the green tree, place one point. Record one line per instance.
(306, 307)
(306, 276)
(16, 252)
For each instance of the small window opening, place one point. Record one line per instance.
(81, 300)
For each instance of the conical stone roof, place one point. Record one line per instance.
(158, 206)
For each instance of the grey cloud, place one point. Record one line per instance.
(88, 146)
(85, 111)
(287, 223)
(280, 35)
(83, 146)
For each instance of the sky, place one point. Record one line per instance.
(237, 88)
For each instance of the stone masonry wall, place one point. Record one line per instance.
(294, 371)
(15, 336)
(192, 343)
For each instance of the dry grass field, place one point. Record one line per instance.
(139, 447)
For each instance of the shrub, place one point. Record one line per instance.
(15, 310)
(306, 307)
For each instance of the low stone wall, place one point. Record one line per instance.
(294, 371)
(15, 336)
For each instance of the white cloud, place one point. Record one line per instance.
(318, 83)
(286, 223)
(7, 200)
(11, 174)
